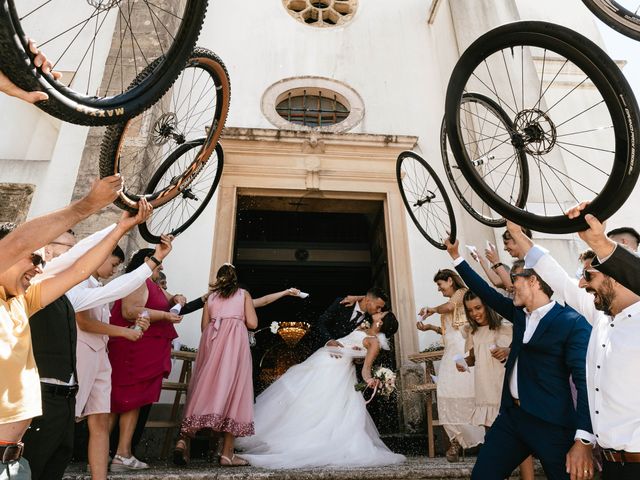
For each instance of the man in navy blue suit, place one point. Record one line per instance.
(537, 414)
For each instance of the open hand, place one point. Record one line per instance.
(350, 300)
(103, 192)
(460, 368)
(179, 299)
(452, 248)
(40, 61)
(491, 254)
(164, 247)
(128, 220)
(172, 317)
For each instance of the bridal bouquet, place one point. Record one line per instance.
(387, 380)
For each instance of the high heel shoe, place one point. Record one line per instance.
(181, 453)
(234, 461)
(453, 453)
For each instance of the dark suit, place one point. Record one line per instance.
(623, 266)
(334, 323)
(546, 421)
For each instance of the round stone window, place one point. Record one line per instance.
(321, 13)
(312, 103)
(312, 107)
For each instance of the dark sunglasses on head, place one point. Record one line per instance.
(38, 260)
(513, 276)
(587, 273)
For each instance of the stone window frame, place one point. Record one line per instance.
(321, 13)
(313, 84)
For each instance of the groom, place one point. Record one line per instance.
(339, 320)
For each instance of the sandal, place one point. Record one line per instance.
(181, 454)
(234, 461)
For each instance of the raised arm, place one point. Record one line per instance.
(327, 316)
(57, 285)
(36, 233)
(272, 297)
(613, 260)
(554, 275)
(373, 349)
(84, 298)
(490, 296)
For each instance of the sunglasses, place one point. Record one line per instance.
(587, 273)
(513, 276)
(38, 260)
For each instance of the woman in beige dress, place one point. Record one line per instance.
(456, 392)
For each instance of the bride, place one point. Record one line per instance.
(312, 415)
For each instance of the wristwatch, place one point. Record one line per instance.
(496, 265)
(155, 260)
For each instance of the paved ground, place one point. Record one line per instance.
(414, 468)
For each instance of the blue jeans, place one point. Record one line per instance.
(15, 470)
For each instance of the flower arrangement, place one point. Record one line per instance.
(185, 348)
(387, 378)
(274, 327)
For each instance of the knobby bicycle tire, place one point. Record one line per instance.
(113, 144)
(85, 109)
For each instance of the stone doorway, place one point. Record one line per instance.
(326, 247)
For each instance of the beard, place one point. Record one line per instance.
(603, 298)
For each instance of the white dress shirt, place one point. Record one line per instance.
(613, 356)
(532, 320)
(356, 311)
(92, 295)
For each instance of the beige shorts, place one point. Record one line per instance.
(94, 379)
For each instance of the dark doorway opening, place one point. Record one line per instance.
(326, 247)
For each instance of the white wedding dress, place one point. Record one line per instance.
(312, 416)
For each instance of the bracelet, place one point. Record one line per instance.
(496, 265)
(155, 260)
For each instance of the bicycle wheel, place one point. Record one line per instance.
(176, 216)
(96, 86)
(425, 199)
(505, 168)
(573, 115)
(621, 16)
(194, 108)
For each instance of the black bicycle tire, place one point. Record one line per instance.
(70, 106)
(616, 17)
(143, 228)
(115, 134)
(523, 191)
(445, 197)
(602, 71)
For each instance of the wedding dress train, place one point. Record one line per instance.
(312, 416)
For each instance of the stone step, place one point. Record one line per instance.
(415, 468)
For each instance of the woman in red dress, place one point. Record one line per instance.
(138, 368)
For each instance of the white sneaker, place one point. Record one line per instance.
(123, 464)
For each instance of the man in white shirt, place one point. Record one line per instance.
(614, 352)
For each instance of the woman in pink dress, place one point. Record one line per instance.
(220, 395)
(138, 368)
